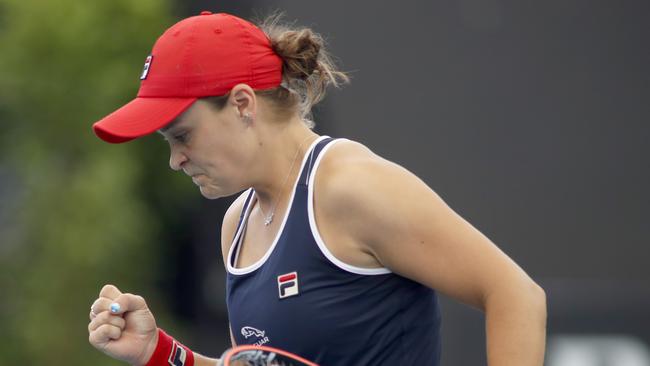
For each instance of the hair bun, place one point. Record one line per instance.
(300, 50)
(307, 68)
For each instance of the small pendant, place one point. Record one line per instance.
(268, 220)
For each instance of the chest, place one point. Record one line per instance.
(257, 239)
(315, 305)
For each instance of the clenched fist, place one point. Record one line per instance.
(122, 326)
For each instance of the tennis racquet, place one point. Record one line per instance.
(249, 355)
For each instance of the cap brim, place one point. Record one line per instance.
(140, 117)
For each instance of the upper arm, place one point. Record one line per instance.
(410, 230)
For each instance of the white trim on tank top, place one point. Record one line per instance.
(241, 225)
(314, 228)
(265, 257)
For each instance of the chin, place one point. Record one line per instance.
(212, 193)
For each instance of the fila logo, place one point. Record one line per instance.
(288, 284)
(177, 356)
(147, 65)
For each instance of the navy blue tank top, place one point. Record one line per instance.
(300, 298)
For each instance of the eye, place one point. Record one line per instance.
(181, 137)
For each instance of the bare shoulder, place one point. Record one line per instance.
(342, 171)
(359, 189)
(229, 225)
(351, 171)
(349, 163)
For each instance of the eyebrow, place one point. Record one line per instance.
(169, 126)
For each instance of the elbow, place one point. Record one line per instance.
(517, 297)
(520, 296)
(539, 295)
(536, 297)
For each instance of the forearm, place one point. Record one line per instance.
(516, 326)
(200, 360)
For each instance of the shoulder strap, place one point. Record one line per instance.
(247, 203)
(313, 155)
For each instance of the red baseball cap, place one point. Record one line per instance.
(201, 56)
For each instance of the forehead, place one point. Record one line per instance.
(193, 113)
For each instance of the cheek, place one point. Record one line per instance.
(234, 157)
(228, 155)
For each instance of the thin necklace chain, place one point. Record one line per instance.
(268, 219)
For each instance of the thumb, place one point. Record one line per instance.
(127, 302)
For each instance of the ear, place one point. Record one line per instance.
(243, 100)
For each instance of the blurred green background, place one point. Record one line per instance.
(77, 213)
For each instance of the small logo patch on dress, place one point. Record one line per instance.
(250, 331)
(288, 285)
(260, 335)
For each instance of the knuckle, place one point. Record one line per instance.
(107, 288)
(94, 337)
(118, 322)
(104, 317)
(98, 321)
(93, 325)
(111, 332)
(104, 330)
(106, 304)
(109, 291)
(98, 305)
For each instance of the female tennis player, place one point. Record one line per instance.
(332, 252)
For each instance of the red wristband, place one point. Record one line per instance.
(169, 352)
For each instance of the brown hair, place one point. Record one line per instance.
(307, 71)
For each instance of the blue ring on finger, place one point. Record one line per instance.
(115, 307)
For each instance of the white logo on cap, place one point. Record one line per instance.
(147, 65)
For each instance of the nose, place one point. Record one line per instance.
(176, 159)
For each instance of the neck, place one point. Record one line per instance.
(280, 154)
